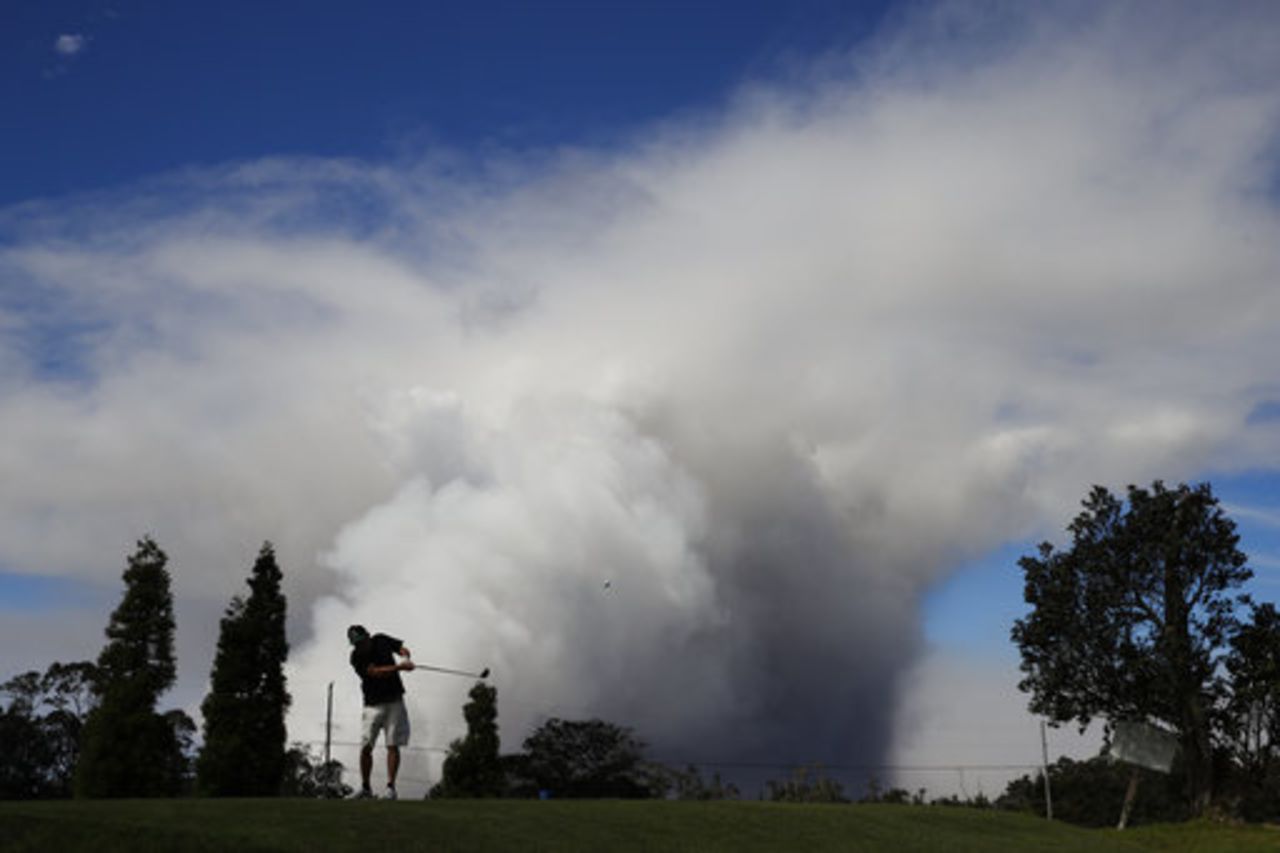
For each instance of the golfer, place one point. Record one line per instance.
(373, 658)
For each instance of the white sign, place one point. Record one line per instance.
(1144, 745)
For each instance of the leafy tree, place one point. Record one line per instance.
(68, 693)
(306, 776)
(24, 755)
(876, 793)
(587, 758)
(179, 752)
(807, 785)
(1130, 621)
(689, 785)
(40, 729)
(473, 768)
(1253, 710)
(1251, 716)
(127, 748)
(1091, 793)
(244, 729)
(64, 699)
(70, 687)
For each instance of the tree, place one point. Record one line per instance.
(1131, 620)
(127, 748)
(244, 728)
(306, 776)
(590, 758)
(808, 785)
(473, 767)
(689, 785)
(24, 755)
(179, 752)
(1251, 715)
(40, 729)
(1253, 710)
(1092, 792)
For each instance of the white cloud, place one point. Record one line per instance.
(964, 729)
(770, 376)
(69, 44)
(1267, 516)
(1266, 568)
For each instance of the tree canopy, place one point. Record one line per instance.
(1251, 716)
(244, 714)
(1130, 621)
(473, 767)
(127, 749)
(40, 729)
(586, 758)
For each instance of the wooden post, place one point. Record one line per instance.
(328, 740)
(1129, 796)
(328, 724)
(1044, 753)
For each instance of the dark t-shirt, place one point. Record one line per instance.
(378, 650)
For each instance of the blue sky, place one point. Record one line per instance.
(471, 308)
(974, 609)
(146, 87)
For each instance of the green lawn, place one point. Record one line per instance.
(597, 826)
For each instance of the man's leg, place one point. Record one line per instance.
(366, 766)
(393, 765)
(397, 736)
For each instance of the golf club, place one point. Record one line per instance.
(482, 674)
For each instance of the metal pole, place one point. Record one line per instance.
(1044, 754)
(328, 739)
(328, 724)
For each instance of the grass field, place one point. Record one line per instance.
(596, 826)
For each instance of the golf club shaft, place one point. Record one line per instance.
(482, 674)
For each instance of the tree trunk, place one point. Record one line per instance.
(1196, 748)
(1198, 754)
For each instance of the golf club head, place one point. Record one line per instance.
(484, 673)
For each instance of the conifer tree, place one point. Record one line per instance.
(244, 732)
(128, 750)
(473, 768)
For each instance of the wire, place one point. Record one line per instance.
(351, 743)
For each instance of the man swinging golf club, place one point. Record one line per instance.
(373, 658)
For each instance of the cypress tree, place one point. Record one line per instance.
(128, 750)
(473, 768)
(244, 732)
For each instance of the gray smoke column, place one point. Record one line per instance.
(720, 410)
(709, 596)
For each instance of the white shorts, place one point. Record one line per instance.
(391, 718)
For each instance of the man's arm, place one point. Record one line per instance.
(384, 670)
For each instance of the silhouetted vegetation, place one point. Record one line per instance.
(806, 785)
(127, 748)
(1091, 793)
(308, 776)
(244, 727)
(584, 758)
(1137, 619)
(1128, 623)
(40, 729)
(473, 767)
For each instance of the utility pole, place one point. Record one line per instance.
(1044, 754)
(328, 739)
